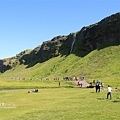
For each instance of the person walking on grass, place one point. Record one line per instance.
(97, 88)
(59, 83)
(109, 93)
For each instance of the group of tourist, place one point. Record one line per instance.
(109, 89)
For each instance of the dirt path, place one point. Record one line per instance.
(84, 83)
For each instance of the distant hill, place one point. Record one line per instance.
(92, 50)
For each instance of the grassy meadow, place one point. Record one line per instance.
(58, 104)
(67, 102)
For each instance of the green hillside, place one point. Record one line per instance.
(100, 64)
(92, 52)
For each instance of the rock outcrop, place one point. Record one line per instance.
(99, 35)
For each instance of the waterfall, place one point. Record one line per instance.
(74, 39)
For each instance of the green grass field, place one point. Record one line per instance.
(66, 102)
(56, 103)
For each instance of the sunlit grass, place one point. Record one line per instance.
(33, 84)
(59, 104)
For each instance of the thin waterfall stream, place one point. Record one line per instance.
(74, 39)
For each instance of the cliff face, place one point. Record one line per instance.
(104, 33)
(4, 67)
(44, 52)
(96, 36)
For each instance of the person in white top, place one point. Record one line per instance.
(109, 93)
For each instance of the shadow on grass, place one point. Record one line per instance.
(117, 100)
(92, 92)
(101, 98)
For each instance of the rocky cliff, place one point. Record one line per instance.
(96, 36)
(102, 34)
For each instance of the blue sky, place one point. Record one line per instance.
(25, 24)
